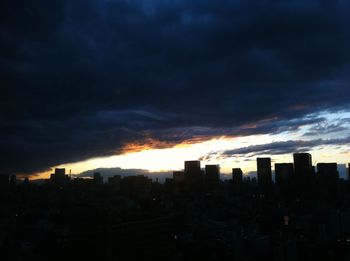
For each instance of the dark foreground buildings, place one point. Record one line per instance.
(284, 174)
(303, 213)
(303, 171)
(237, 176)
(264, 173)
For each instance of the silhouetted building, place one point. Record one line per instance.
(283, 175)
(136, 186)
(328, 171)
(178, 176)
(59, 177)
(133, 218)
(264, 172)
(212, 173)
(169, 182)
(60, 171)
(98, 179)
(328, 175)
(194, 176)
(303, 171)
(83, 183)
(212, 177)
(192, 167)
(237, 176)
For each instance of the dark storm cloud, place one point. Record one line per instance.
(85, 78)
(271, 125)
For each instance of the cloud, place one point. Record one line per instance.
(327, 127)
(285, 147)
(82, 79)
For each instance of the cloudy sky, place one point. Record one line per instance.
(147, 84)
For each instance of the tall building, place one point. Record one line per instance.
(139, 186)
(192, 167)
(328, 176)
(59, 177)
(193, 170)
(284, 173)
(328, 171)
(302, 164)
(194, 176)
(303, 170)
(237, 176)
(212, 173)
(264, 172)
(60, 171)
(283, 177)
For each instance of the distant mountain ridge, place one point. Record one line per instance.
(110, 172)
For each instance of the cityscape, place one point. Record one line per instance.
(174, 130)
(303, 215)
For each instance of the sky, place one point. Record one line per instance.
(149, 84)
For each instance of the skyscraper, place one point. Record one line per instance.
(303, 171)
(59, 177)
(283, 173)
(192, 167)
(328, 176)
(193, 170)
(328, 171)
(237, 176)
(60, 171)
(194, 176)
(264, 172)
(283, 177)
(212, 173)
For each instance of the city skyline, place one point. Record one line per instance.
(175, 130)
(274, 166)
(296, 177)
(304, 214)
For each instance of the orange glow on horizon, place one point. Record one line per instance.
(157, 156)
